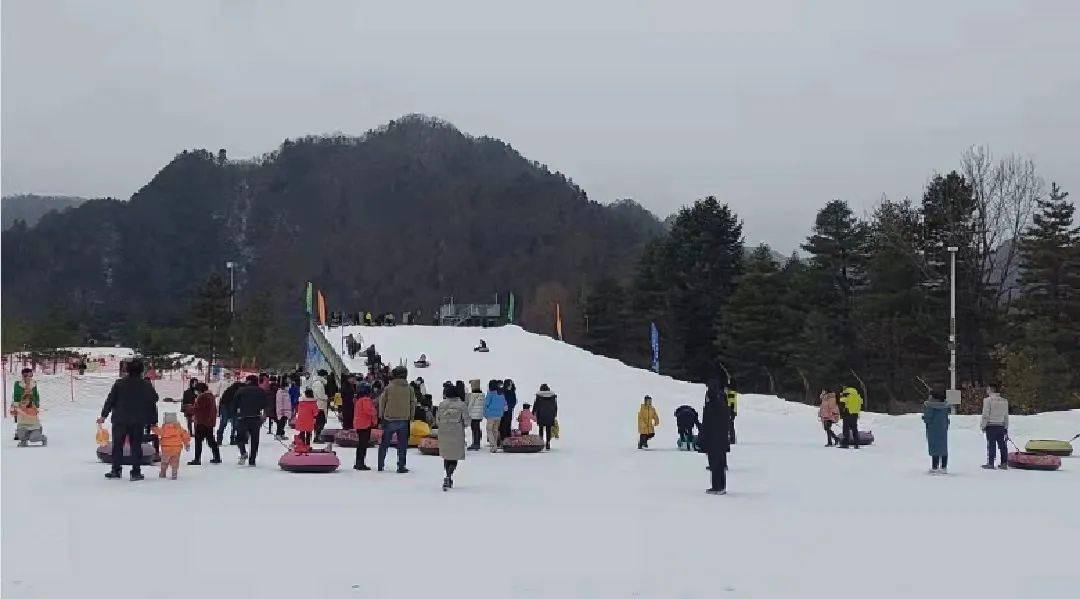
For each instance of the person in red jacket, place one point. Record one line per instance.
(203, 419)
(365, 418)
(306, 411)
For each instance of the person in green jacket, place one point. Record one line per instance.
(850, 407)
(27, 386)
(936, 416)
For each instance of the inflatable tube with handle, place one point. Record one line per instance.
(315, 461)
(1049, 447)
(104, 453)
(1033, 461)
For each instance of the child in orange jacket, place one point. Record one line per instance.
(172, 438)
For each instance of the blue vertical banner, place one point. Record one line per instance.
(654, 339)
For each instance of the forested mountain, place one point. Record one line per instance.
(30, 208)
(396, 219)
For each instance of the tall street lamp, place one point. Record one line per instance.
(232, 286)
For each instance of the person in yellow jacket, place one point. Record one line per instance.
(850, 407)
(733, 407)
(647, 421)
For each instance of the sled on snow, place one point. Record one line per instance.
(1049, 447)
(1033, 461)
(315, 460)
(149, 456)
(31, 435)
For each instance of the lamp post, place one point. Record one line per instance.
(232, 286)
(953, 395)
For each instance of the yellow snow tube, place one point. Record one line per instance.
(418, 429)
(1049, 447)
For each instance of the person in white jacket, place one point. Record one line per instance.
(317, 384)
(474, 400)
(995, 423)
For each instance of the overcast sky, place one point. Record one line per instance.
(774, 106)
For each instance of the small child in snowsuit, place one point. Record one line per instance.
(307, 412)
(26, 418)
(172, 437)
(526, 419)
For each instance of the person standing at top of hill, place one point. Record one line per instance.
(397, 404)
(509, 391)
(647, 421)
(829, 414)
(850, 407)
(132, 404)
(494, 410)
(714, 440)
(546, 410)
(187, 403)
(995, 424)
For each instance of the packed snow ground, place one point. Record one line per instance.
(593, 518)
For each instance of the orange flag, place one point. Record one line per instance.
(322, 309)
(558, 321)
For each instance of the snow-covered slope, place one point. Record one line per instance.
(593, 518)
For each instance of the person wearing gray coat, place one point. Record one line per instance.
(453, 418)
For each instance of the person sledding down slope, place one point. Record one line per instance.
(686, 418)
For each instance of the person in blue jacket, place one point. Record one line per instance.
(494, 408)
(936, 416)
(294, 391)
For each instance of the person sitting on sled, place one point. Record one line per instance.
(27, 419)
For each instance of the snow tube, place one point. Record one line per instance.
(104, 453)
(315, 461)
(523, 444)
(418, 429)
(420, 364)
(346, 438)
(865, 438)
(1049, 447)
(482, 350)
(1033, 461)
(327, 435)
(376, 436)
(429, 446)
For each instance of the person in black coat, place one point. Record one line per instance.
(348, 396)
(506, 423)
(227, 413)
(715, 424)
(250, 403)
(686, 418)
(187, 404)
(132, 402)
(546, 410)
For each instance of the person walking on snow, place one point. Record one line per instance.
(647, 421)
(715, 425)
(365, 417)
(995, 424)
(348, 400)
(936, 416)
(132, 404)
(26, 389)
(850, 407)
(546, 410)
(494, 409)
(452, 417)
(475, 403)
(283, 410)
(397, 404)
(307, 412)
(172, 438)
(227, 413)
(686, 418)
(203, 415)
(509, 392)
(187, 403)
(250, 402)
(829, 414)
(733, 408)
(525, 419)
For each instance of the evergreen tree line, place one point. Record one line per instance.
(867, 303)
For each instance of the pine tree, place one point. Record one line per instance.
(210, 317)
(757, 328)
(835, 275)
(606, 311)
(1050, 279)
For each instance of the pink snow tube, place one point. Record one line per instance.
(316, 461)
(346, 438)
(523, 444)
(376, 437)
(1033, 461)
(429, 446)
(104, 453)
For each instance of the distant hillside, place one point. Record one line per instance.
(30, 208)
(396, 219)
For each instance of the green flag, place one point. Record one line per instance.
(510, 310)
(308, 303)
